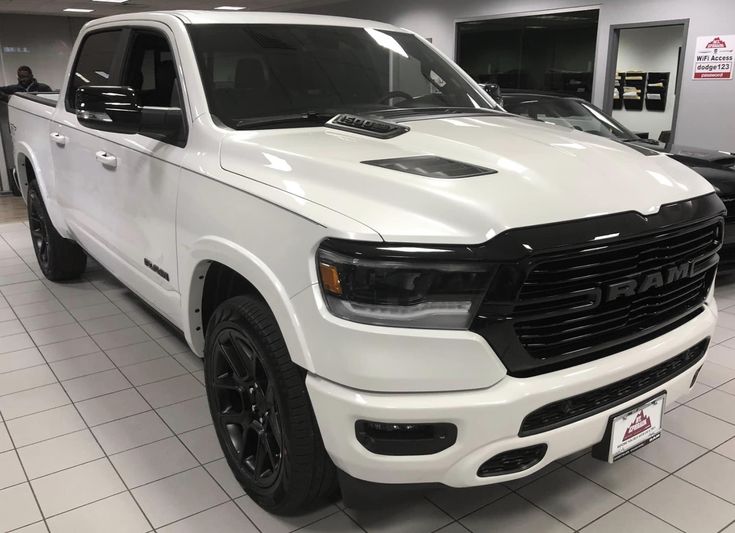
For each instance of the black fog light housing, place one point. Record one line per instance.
(387, 438)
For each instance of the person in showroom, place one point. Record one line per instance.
(26, 83)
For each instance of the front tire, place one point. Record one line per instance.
(261, 410)
(60, 259)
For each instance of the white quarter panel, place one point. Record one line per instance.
(544, 174)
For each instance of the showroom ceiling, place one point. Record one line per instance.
(102, 8)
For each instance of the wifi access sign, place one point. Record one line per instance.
(714, 56)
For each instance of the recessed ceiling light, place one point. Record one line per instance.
(230, 8)
(112, 1)
(78, 10)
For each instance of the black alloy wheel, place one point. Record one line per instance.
(38, 221)
(246, 407)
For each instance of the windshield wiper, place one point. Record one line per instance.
(282, 120)
(438, 110)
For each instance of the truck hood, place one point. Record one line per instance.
(544, 174)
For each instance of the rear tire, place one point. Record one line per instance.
(60, 259)
(261, 410)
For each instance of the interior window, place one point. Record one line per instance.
(151, 72)
(94, 64)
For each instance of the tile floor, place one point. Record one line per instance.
(104, 427)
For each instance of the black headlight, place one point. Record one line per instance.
(409, 286)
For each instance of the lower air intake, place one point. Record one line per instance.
(512, 461)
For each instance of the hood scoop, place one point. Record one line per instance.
(367, 126)
(432, 166)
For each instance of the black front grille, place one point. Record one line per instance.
(569, 293)
(570, 410)
(561, 308)
(512, 461)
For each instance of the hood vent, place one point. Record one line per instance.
(367, 126)
(432, 166)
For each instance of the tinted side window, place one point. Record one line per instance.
(150, 70)
(95, 62)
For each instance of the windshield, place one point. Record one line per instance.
(272, 70)
(570, 113)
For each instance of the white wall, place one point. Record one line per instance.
(43, 43)
(706, 108)
(650, 50)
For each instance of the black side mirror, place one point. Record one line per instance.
(116, 109)
(493, 89)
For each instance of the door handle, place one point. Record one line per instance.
(58, 138)
(106, 159)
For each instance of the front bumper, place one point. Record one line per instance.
(488, 419)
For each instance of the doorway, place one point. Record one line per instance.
(644, 74)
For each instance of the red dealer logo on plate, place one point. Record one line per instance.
(640, 424)
(717, 43)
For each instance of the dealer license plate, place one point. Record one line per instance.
(635, 428)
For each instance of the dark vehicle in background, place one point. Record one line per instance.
(717, 167)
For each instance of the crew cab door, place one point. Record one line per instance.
(119, 191)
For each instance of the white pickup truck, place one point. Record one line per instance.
(392, 281)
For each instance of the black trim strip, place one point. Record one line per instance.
(660, 374)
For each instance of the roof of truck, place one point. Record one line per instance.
(246, 17)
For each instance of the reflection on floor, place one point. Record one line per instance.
(12, 209)
(105, 427)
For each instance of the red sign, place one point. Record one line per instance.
(716, 43)
(641, 423)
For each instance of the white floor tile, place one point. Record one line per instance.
(513, 514)
(11, 472)
(5, 442)
(112, 406)
(104, 309)
(461, 502)
(10, 327)
(574, 500)
(38, 527)
(49, 320)
(179, 496)
(58, 334)
(225, 518)
(715, 375)
(33, 401)
(203, 444)
(27, 378)
(153, 462)
(17, 507)
(82, 365)
(626, 477)
(281, 524)
(698, 427)
(670, 452)
(173, 344)
(45, 425)
(121, 337)
(629, 519)
(13, 343)
(57, 454)
(107, 323)
(117, 514)
(20, 359)
(171, 391)
(135, 353)
(68, 349)
(130, 432)
(155, 370)
(38, 308)
(188, 415)
(713, 473)
(686, 506)
(224, 477)
(94, 385)
(76, 486)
